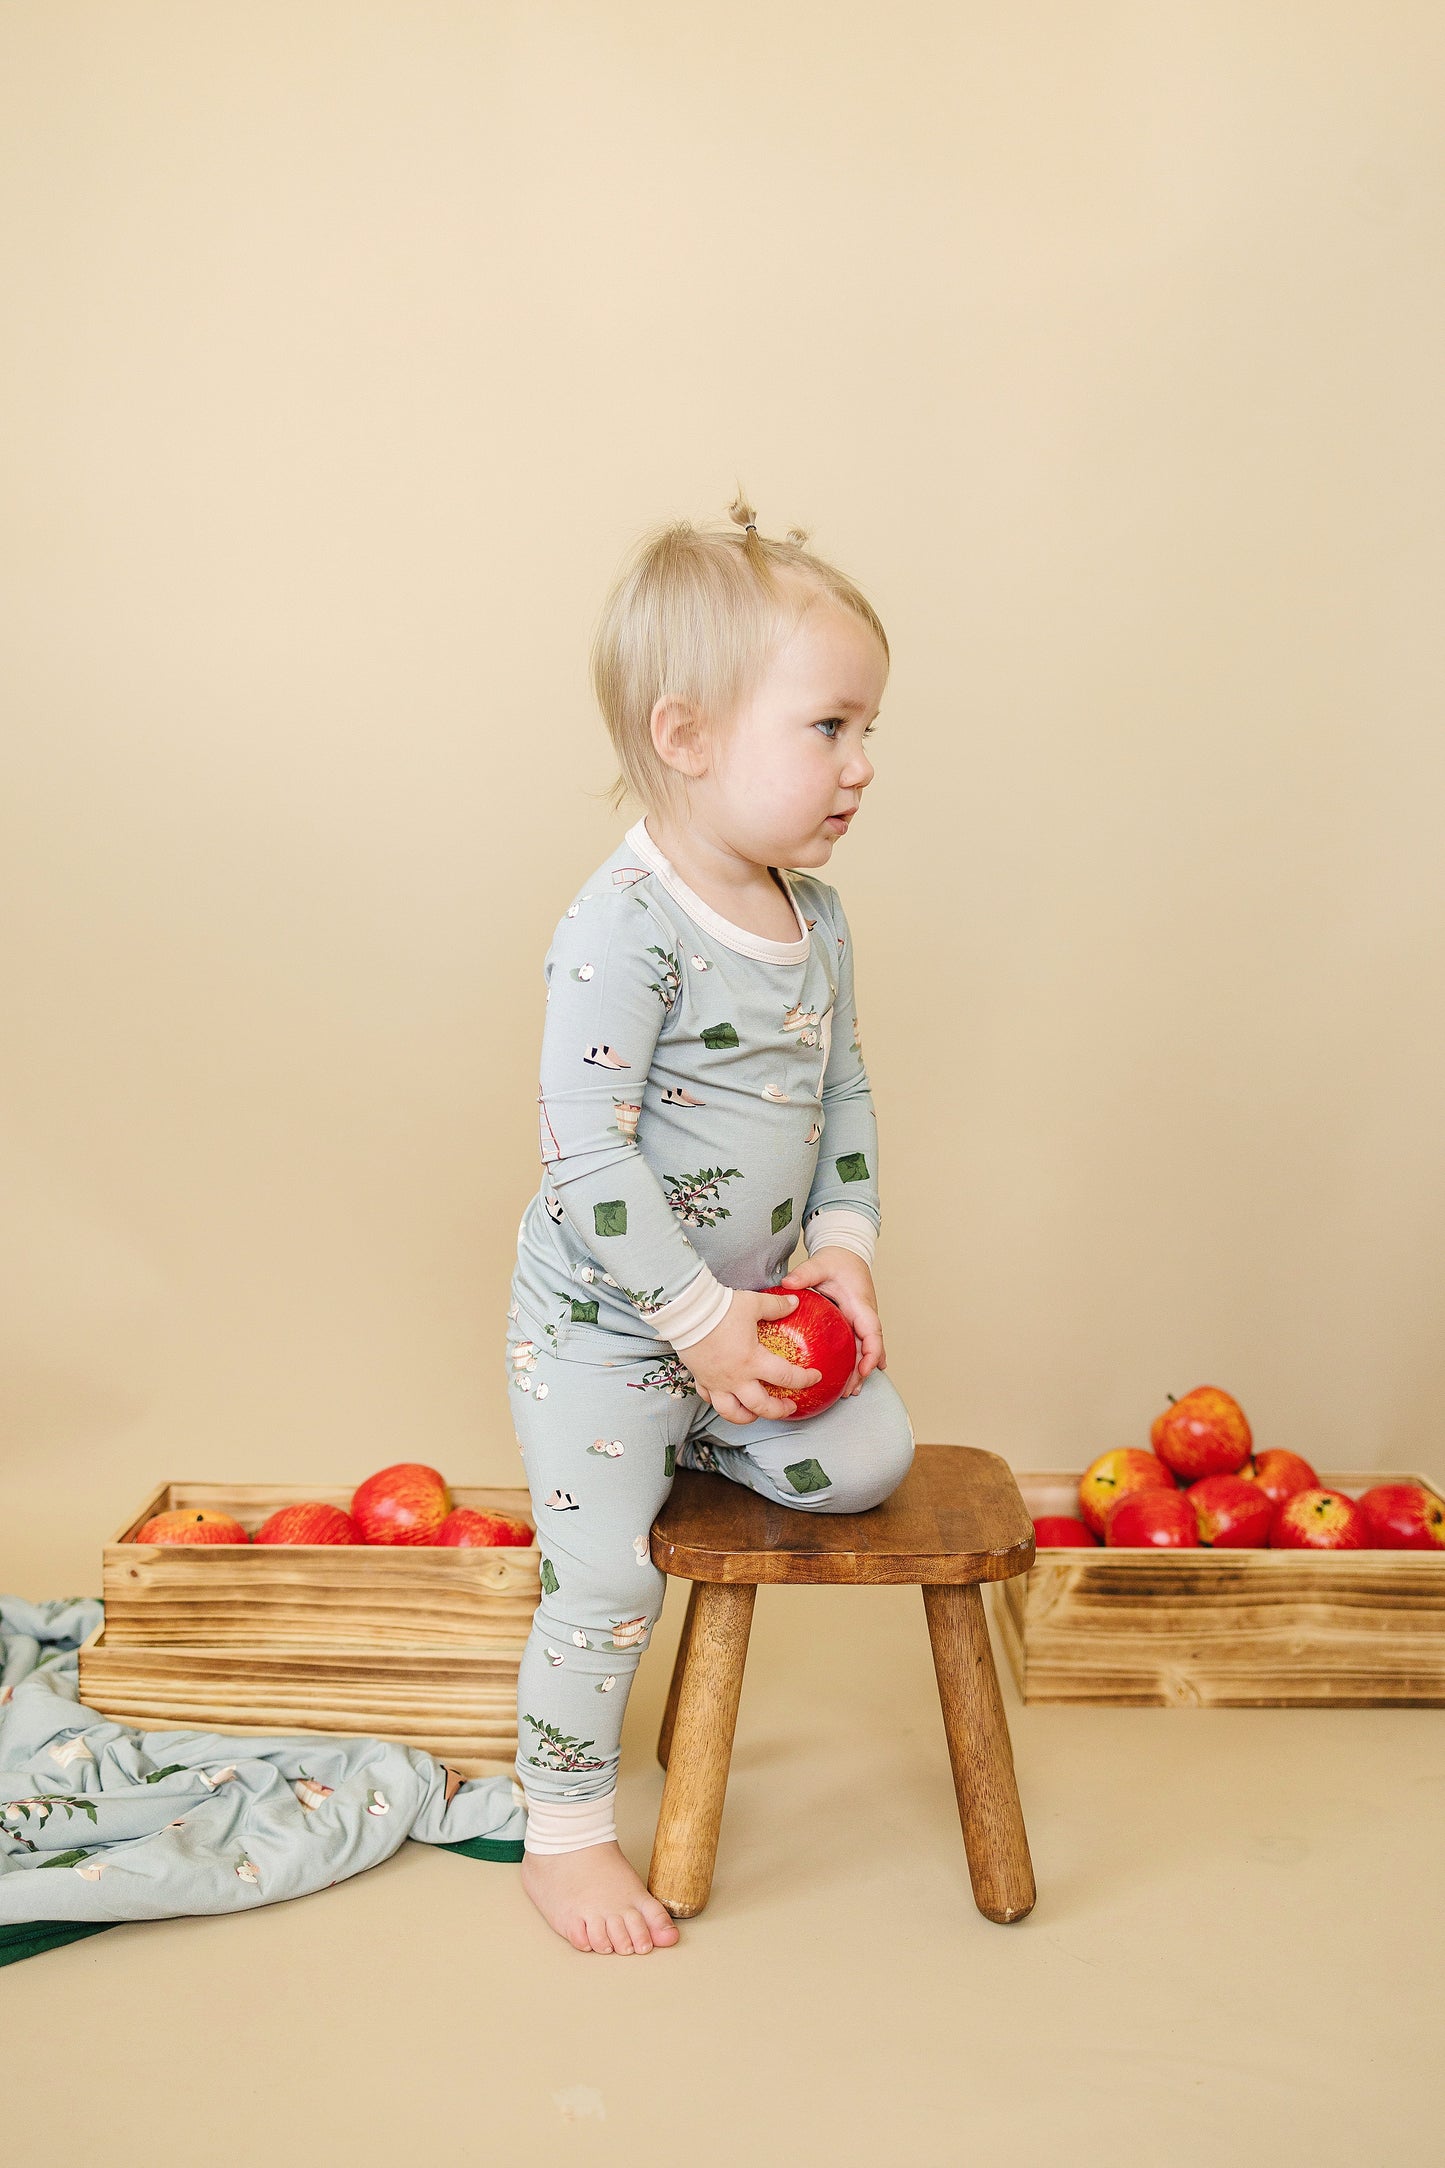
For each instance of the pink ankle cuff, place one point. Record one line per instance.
(567, 1825)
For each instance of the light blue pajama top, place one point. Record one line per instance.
(703, 1100)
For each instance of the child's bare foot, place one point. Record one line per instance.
(596, 1898)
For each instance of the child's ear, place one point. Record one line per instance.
(678, 734)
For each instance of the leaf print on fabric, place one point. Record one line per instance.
(852, 1167)
(808, 1475)
(646, 1303)
(581, 1313)
(672, 1377)
(610, 1218)
(17, 1810)
(782, 1213)
(64, 1859)
(693, 1197)
(557, 1750)
(669, 1459)
(669, 986)
(720, 1035)
(550, 1582)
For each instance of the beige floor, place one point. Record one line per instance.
(1236, 1955)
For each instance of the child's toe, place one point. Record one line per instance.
(598, 1937)
(619, 1935)
(637, 1928)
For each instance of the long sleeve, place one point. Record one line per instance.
(843, 1206)
(611, 981)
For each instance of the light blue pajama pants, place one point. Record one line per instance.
(600, 1442)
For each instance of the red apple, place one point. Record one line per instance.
(312, 1522)
(1233, 1515)
(406, 1503)
(1403, 1517)
(1056, 1531)
(1205, 1433)
(816, 1336)
(1280, 1474)
(1319, 1520)
(186, 1525)
(1157, 1519)
(468, 1530)
(1112, 1476)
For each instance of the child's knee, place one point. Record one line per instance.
(883, 1455)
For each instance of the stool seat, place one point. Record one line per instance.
(956, 1516)
(956, 1519)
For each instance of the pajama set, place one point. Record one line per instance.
(703, 1102)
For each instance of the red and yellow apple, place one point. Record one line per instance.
(187, 1525)
(1280, 1474)
(310, 1522)
(816, 1336)
(1153, 1519)
(406, 1503)
(1112, 1476)
(1319, 1520)
(1403, 1517)
(1232, 1515)
(1205, 1433)
(1059, 1531)
(467, 1529)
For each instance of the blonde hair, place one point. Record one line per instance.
(697, 615)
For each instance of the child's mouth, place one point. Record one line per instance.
(838, 822)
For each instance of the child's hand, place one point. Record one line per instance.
(843, 1275)
(729, 1363)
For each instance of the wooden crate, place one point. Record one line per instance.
(1225, 1628)
(403, 1642)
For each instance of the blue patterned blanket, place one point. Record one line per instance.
(101, 1822)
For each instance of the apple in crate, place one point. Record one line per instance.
(816, 1336)
(1280, 1474)
(1232, 1515)
(1319, 1520)
(1205, 1433)
(186, 1525)
(311, 1522)
(405, 1503)
(1404, 1517)
(470, 1530)
(1058, 1532)
(1112, 1476)
(1153, 1520)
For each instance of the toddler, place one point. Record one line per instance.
(703, 1102)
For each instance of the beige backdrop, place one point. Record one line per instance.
(348, 348)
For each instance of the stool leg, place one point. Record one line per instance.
(669, 1714)
(979, 1749)
(685, 1847)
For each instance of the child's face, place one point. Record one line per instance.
(794, 755)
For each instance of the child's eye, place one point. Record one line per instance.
(834, 722)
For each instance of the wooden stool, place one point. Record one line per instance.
(955, 1520)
